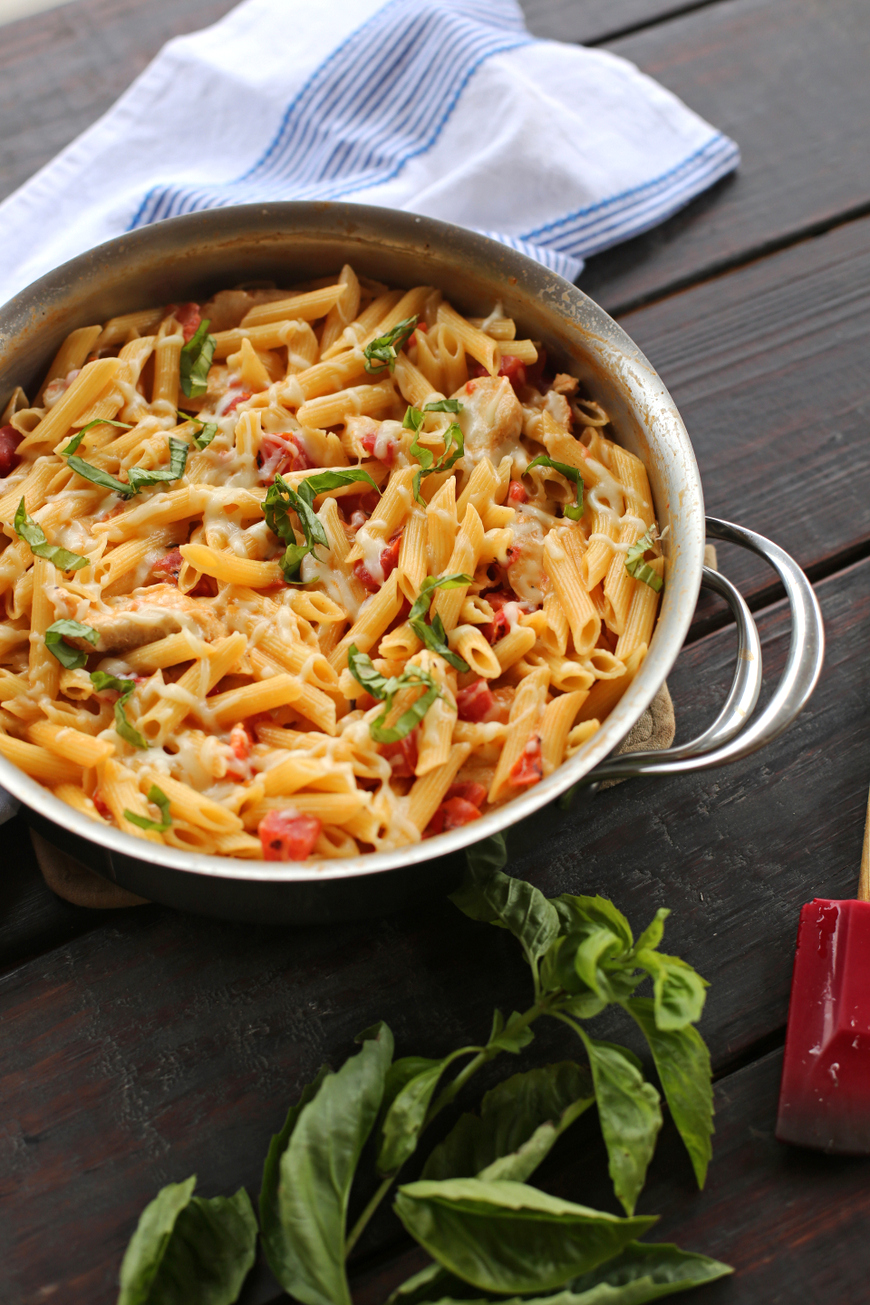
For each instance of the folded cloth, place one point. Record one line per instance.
(448, 108)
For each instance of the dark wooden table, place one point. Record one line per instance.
(143, 1045)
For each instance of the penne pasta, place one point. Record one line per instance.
(270, 606)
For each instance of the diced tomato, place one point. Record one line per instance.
(189, 318)
(452, 814)
(167, 567)
(500, 626)
(402, 755)
(511, 367)
(286, 836)
(234, 403)
(382, 447)
(517, 492)
(475, 701)
(529, 766)
(9, 441)
(240, 742)
(471, 792)
(388, 560)
(101, 806)
(357, 508)
(280, 454)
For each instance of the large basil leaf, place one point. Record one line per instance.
(195, 361)
(148, 1244)
(406, 1116)
(678, 990)
(630, 1115)
(270, 1219)
(654, 932)
(642, 1272)
(496, 898)
(508, 1237)
(683, 1064)
(317, 1169)
(189, 1251)
(520, 1120)
(575, 910)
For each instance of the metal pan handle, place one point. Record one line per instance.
(733, 734)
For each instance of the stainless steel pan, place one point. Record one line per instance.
(190, 258)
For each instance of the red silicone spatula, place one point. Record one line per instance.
(824, 1099)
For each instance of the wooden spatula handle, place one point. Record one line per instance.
(864, 876)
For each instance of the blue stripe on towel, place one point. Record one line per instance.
(383, 97)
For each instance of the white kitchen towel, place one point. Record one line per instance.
(448, 108)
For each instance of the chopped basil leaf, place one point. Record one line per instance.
(385, 349)
(71, 658)
(570, 473)
(444, 405)
(101, 680)
(385, 690)
(453, 439)
(159, 798)
(280, 500)
(139, 477)
(434, 635)
(208, 429)
(195, 361)
(637, 567)
(79, 436)
(33, 534)
(99, 477)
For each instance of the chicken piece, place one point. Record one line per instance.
(147, 615)
(491, 421)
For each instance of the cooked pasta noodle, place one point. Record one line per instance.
(328, 607)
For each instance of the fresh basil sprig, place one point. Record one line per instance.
(34, 535)
(574, 511)
(159, 798)
(385, 689)
(281, 499)
(453, 440)
(195, 361)
(434, 636)
(72, 658)
(637, 567)
(385, 349)
(473, 1209)
(207, 432)
(124, 688)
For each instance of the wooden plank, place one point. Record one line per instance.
(767, 367)
(32, 919)
(792, 1223)
(163, 1044)
(93, 50)
(588, 23)
(762, 71)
